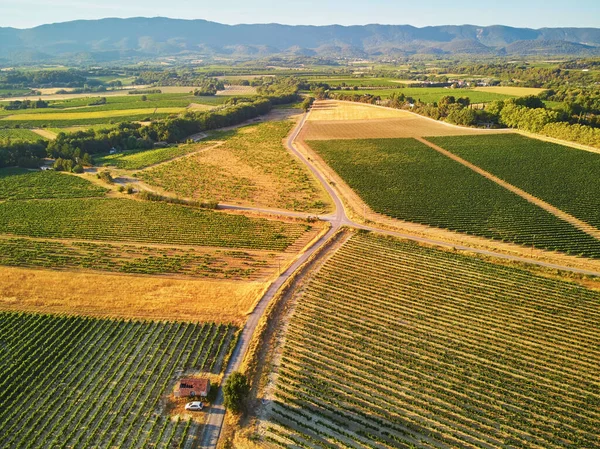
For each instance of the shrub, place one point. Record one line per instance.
(105, 176)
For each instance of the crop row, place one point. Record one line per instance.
(405, 179)
(20, 252)
(414, 347)
(565, 177)
(20, 184)
(20, 134)
(136, 221)
(102, 380)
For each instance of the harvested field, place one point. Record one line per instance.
(361, 121)
(238, 90)
(124, 296)
(334, 110)
(509, 90)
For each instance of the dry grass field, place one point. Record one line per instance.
(251, 167)
(124, 296)
(344, 120)
(510, 90)
(238, 90)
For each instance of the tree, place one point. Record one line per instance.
(235, 391)
(307, 103)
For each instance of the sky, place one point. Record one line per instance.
(518, 13)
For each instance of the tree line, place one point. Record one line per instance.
(73, 150)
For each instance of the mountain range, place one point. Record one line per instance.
(113, 39)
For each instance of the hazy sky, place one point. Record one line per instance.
(519, 13)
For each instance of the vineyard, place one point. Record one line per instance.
(73, 382)
(20, 252)
(135, 160)
(21, 184)
(251, 167)
(539, 168)
(20, 134)
(137, 221)
(396, 345)
(405, 179)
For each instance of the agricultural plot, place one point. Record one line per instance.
(564, 177)
(405, 179)
(87, 119)
(76, 116)
(330, 120)
(510, 90)
(135, 160)
(396, 345)
(134, 259)
(103, 382)
(252, 166)
(334, 110)
(21, 184)
(101, 294)
(137, 221)
(24, 135)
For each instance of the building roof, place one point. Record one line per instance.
(193, 384)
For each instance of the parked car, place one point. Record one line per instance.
(194, 406)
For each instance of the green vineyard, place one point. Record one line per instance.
(20, 252)
(24, 135)
(137, 221)
(21, 184)
(135, 160)
(415, 347)
(74, 382)
(537, 167)
(405, 179)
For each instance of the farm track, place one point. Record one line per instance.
(337, 220)
(579, 224)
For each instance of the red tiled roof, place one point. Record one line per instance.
(193, 384)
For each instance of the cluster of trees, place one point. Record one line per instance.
(25, 104)
(527, 75)
(44, 78)
(209, 87)
(22, 154)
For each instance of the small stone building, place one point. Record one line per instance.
(191, 387)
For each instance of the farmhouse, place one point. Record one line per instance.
(192, 387)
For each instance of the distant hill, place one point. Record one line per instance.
(112, 39)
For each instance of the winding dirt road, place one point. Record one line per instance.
(216, 415)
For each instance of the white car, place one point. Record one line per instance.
(194, 406)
